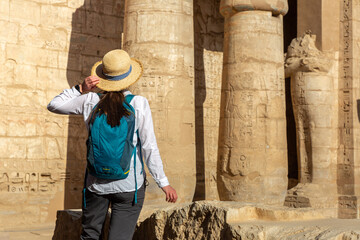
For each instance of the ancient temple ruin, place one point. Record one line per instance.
(253, 101)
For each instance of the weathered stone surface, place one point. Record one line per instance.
(42, 155)
(275, 6)
(49, 45)
(252, 130)
(224, 220)
(68, 225)
(314, 99)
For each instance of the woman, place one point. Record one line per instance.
(114, 74)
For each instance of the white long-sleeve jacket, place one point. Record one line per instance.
(70, 101)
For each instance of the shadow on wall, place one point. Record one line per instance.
(96, 29)
(358, 108)
(290, 32)
(208, 36)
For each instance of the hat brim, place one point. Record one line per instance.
(110, 85)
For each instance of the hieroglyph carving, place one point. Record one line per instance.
(252, 162)
(19, 182)
(346, 160)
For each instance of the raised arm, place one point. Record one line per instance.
(70, 101)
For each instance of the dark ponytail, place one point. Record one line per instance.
(111, 104)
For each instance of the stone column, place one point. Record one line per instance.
(252, 139)
(160, 34)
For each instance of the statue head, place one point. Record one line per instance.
(303, 56)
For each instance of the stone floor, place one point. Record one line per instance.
(245, 222)
(40, 232)
(45, 232)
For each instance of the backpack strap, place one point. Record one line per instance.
(128, 99)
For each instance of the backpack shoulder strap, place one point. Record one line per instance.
(127, 101)
(129, 97)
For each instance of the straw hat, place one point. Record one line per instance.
(117, 70)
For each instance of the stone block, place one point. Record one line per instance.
(76, 148)
(25, 77)
(58, 2)
(31, 99)
(86, 64)
(69, 61)
(55, 38)
(172, 56)
(7, 67)
(55, 127)
(5, 10)
(103, 25)
(108, 7)
(14, 148)
(164, 5)
(187, 7)
(8, 30)
(26, 12)
(32, 56)
(76, 4)
(91, 45)
(57, 16)
(54, 79)
(35, 148)
(275, 6)
(15, 127)
(29, 35)
(171, 27)
(55, 148)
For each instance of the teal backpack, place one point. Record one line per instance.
(110, 149)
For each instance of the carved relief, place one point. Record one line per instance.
(252, 131)
(19, 182)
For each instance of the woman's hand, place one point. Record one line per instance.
(89, 84)
(170, 192)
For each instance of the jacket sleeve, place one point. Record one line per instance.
(70, 101)
(150, 149)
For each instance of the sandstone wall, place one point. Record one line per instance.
(349, 74)
(46, 46)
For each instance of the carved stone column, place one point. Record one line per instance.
(160, 34)
(252, 139)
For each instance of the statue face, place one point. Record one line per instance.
(292, 65)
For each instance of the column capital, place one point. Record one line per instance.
(277, 7)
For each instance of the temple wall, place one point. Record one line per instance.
(46, 46)
(49, 45)
(354, 39)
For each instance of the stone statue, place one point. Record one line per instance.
(315, 104)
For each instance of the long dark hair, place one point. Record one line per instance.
(111, 104)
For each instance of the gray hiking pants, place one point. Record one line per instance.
(124, 214)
